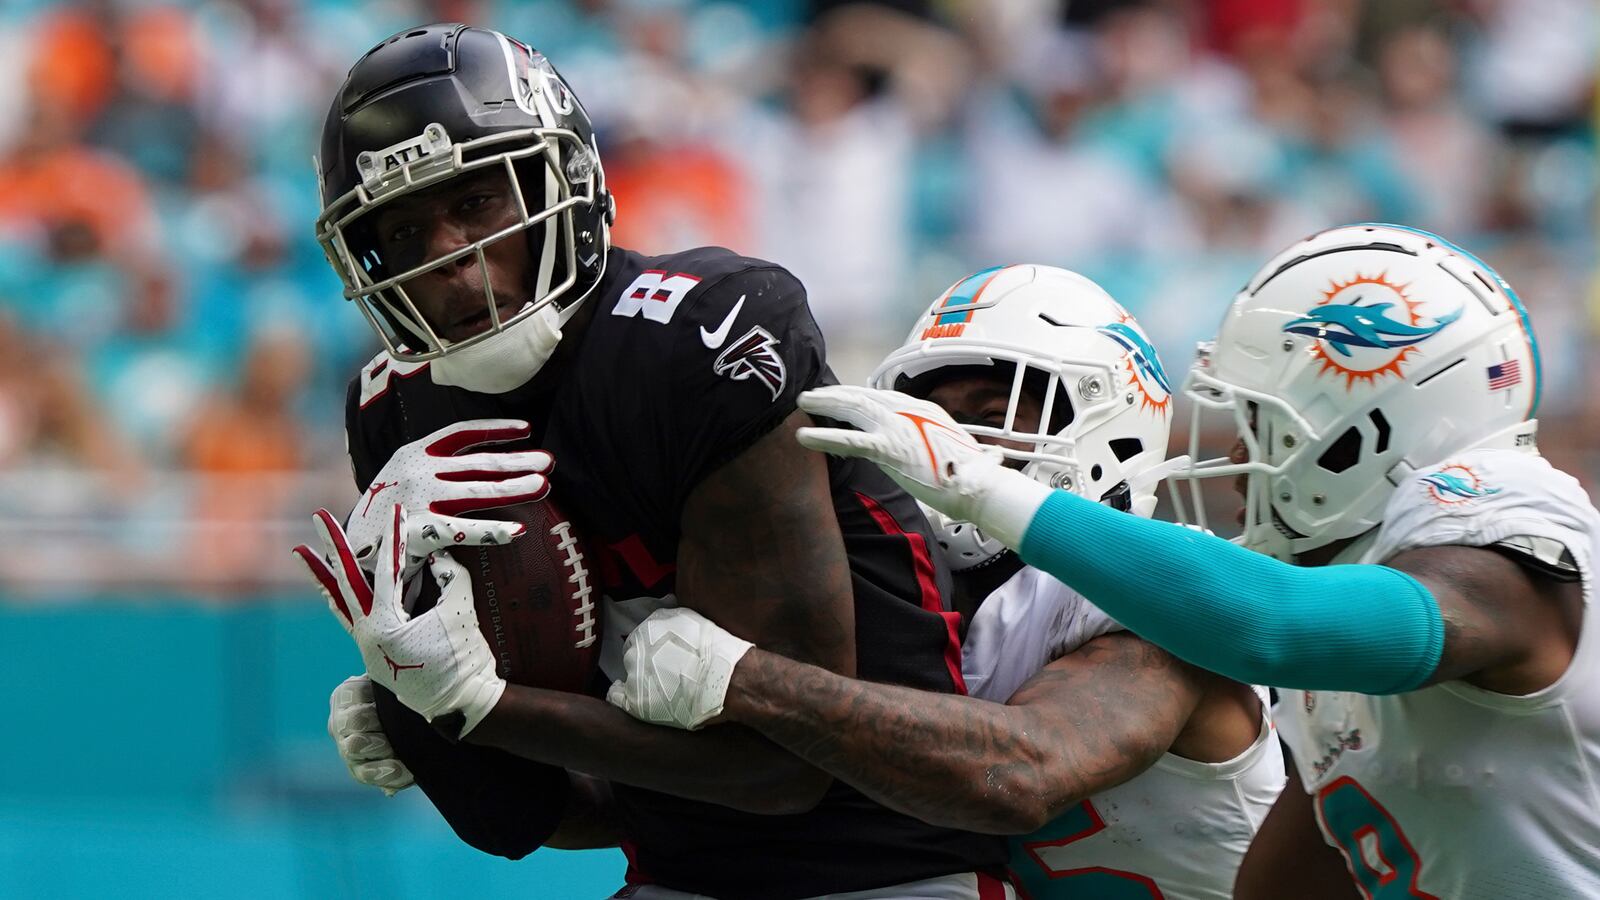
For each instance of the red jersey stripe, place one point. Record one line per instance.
(922, 561)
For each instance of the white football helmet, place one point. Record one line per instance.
(1105, 397)
(1353, 359)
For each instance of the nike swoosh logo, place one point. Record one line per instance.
(714, 339)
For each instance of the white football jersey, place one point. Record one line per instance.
(1452, 791)
(1178, 830)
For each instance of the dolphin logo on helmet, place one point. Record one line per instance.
(1367, 327)
(1346, 325)
(1145, 359)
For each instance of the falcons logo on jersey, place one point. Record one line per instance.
(754, 355)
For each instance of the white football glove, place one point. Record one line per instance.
(439, 482)
(677, 665)
(435, 663)
(353, 725)
(927, 453)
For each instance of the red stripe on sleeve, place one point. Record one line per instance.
(991, 888)
(922, 562)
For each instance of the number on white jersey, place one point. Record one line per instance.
(1031, 863)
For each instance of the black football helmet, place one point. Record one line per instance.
(434, 103)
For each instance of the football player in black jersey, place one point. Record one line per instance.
(465, 208)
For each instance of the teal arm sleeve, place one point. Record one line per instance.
(1360, 628)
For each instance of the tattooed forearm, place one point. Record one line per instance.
(1088, 722)
(732, 766)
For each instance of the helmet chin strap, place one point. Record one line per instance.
(1142, 486)
(505, 362)
(1357, 549)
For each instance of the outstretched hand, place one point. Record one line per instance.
(914, 441)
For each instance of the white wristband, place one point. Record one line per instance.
(1009, 501)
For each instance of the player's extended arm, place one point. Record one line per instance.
(761, 552)
(730, 766)
(1430, 615)
(1289, 858)
(1366, 628)
(1089, 721)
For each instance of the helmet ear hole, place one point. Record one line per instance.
(1126, 448)
(1382, 424)
(1343, 453)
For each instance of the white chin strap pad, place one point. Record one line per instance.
(503, 362)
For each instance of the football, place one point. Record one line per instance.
(535, 599)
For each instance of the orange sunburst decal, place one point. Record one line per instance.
(1142, 363)
(1366, 328)
(1147, 399)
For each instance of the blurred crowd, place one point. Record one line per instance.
(173, 348)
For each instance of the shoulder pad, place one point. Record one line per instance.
(1483, 497)
(1547, 556)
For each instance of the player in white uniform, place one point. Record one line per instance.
(1181, 765)
(1457, 789)
(1179, 829)
(1439, 692)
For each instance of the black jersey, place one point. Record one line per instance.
(689, 359)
